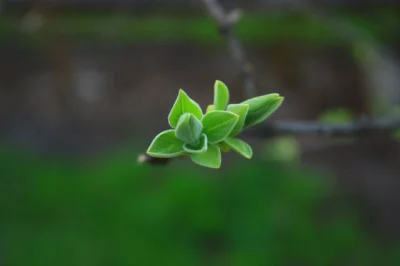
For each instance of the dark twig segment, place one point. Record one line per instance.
(226, 23)
(146, 159)
(360, 128)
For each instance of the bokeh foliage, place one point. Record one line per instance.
(114, 212)
(253, 28)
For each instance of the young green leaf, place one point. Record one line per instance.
(221, 95)
(183, 104)
(202, 147)
(211, 158)
(166, 145)
(241, 110)
(217, 125)
(240, 147)
(261, 107)
(189, 129)
(210, 108)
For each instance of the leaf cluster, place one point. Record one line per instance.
(204, 136)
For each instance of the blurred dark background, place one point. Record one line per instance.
(86, 85)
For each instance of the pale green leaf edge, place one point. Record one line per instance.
(231, 142)
(195, 136)
(208, 129)
(265, 114)
(238, 128)
(217, 163)
(182, 94)
(163, 155)
(203, 148)
(221, 95)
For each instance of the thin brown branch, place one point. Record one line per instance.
(146, 159)
(360, 128)
(226, 22)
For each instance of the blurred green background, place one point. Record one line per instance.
(113, 212)
(86, 85)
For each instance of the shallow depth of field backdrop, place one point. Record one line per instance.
(86, 85)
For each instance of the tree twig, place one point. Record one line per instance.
(146, 159)
(226, 22)
(359, 128)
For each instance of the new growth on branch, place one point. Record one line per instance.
(203, 137)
